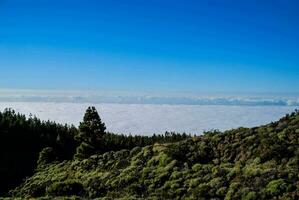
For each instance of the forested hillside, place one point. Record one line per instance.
(244, 163)
(26, 143)
(88, 162)
(22, 139)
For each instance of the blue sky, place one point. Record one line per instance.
(154, 45)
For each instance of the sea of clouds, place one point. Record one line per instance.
(148, 113)
(94, 97)
(147, 119)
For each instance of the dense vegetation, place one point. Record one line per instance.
(256, 163)
(26, 143)
(22, 139)
(244, 163)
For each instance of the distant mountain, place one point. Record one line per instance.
(244, 163)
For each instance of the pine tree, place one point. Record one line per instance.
(91, 130)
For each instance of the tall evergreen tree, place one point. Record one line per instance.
(91, 130)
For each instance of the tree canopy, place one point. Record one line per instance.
(27, 143)
(244, 163)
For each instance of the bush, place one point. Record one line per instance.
(202, 190)
(67, 188)
(276, 187)
(250, 196)
(47, 155)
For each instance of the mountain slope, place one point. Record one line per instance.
(256, 163)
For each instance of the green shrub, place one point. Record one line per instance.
(66, 188)
(276, 187)
(221, 191)
(202, 190)
(250, 196)
(47, 155)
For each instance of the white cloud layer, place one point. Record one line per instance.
(147, 119)
(173, 99)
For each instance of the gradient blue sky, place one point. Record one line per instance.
(153, 45)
